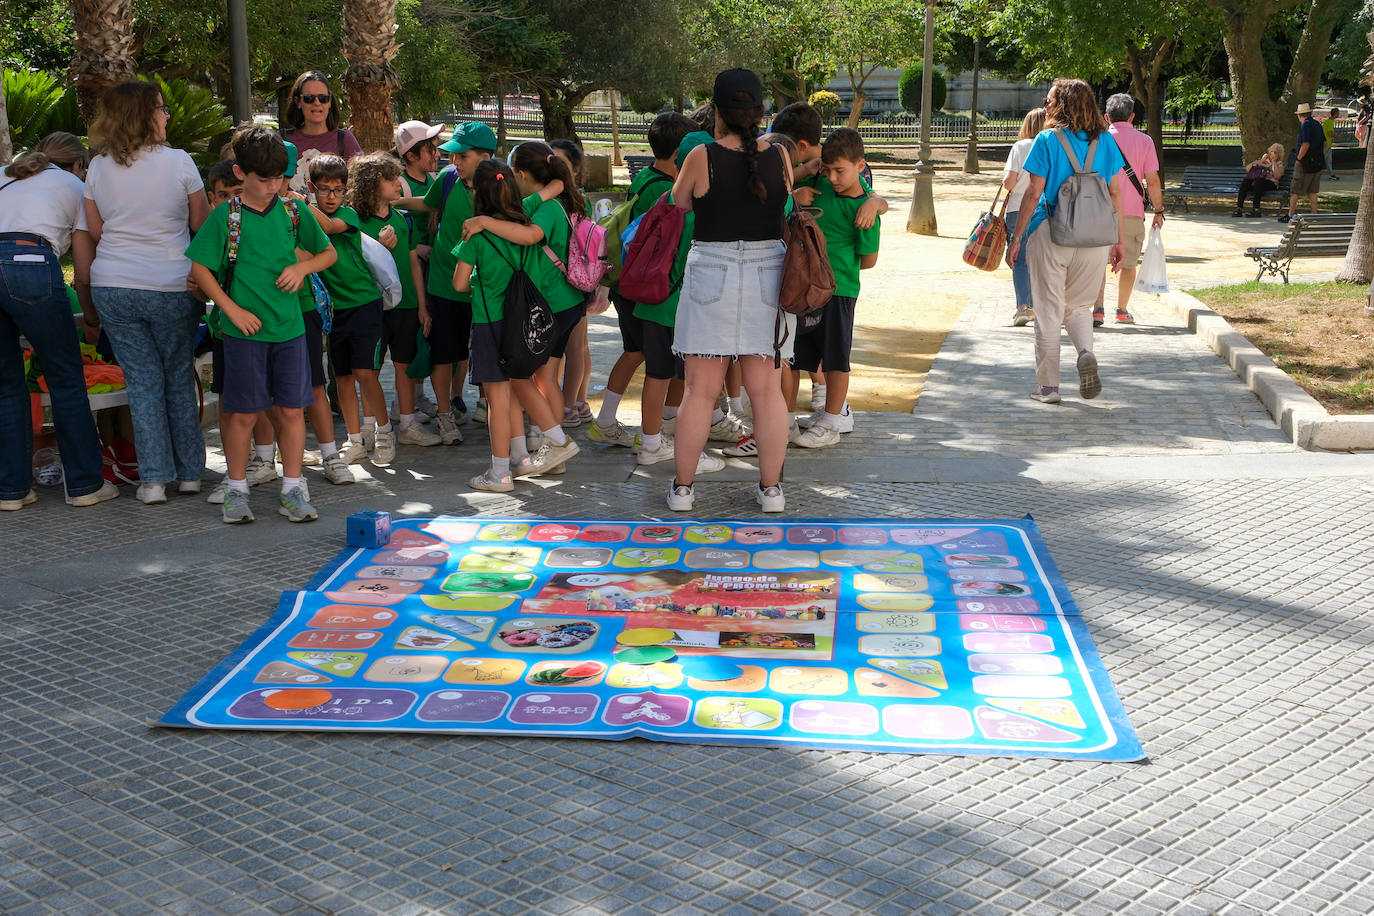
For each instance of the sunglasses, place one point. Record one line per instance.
(322, 99)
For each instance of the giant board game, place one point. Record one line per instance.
(941, 636)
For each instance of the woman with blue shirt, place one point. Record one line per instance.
(1065, 280)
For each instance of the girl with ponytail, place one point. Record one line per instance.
(737, 187)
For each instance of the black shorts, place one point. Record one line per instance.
(400, 328)
(450, 327)
(827, 345)
(564, 324)
(483, 365)
(660, 362)
(631, 328)
(314, 347)
(259, 375)
(217, 365)
(355, 341)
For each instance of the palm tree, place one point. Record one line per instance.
(369, 44)
(6, 149)
(1359, 258)
(102, 49)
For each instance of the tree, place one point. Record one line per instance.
(369, 45)
(6, 151)
(1262, 116)
(866, 35)
(787, 42)
(909, 88)
(1359, 257)
(102, 45)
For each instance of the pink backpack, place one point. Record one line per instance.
(587, 262)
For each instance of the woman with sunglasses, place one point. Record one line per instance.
(311, 122)
(143, 201)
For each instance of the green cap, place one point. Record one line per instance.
(690, 142)
(292, 154)
(470, 135)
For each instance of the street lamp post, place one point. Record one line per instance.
(921, 220)
(240, 98)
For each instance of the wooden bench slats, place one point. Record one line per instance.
(1308, 235)
(1218, 181)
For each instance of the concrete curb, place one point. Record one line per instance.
(1298, 414)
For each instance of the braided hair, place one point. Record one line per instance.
(744, 123)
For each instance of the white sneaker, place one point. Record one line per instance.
(615, 434)
(808, 421)
(818, 397)
(708, 463)
(669, 426)
(729, 428)
(107, 491)
(479, 413)
(369, 436)
(820, 435)
(260, 471)
(844, 425)
(415, 434)
(384, 447)
(151, 494)
(188, 487)
(485, 481)
(664, 452)
(352, 453)
(336, 470)
(216, 497)
(310, 458)
(770, 499)
(681, 497)
(794, 432)
(424, 405)
(534, 438)
(448, 429)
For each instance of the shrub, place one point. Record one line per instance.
(825, 102)
(909, 89)
(30, 97)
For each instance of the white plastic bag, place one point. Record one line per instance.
(383, 269)
(1153, 276)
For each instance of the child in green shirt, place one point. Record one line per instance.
(486, 263)
(838, 195)
(265, 361)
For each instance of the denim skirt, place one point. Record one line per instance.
(729, 302)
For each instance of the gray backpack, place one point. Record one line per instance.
(1083, 216)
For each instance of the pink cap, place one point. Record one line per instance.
(413, 132)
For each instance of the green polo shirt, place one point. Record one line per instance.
(550, 216)
(416, 188)
(349, 280)
(845, 244)
(405, 244)
(493, 260)
(457, 210)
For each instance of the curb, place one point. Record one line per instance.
(1297, 413)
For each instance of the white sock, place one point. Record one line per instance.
(500, 467)
(238, 486)
(518, 450)
(386, 428)
(717, 415)
(556, 436)
(670, 413)
(832, 420)
(289, 483)
(356, 437)
(610, 403)
(266, 452)
(407, 420)
(369, 421)
(328, 449)
(736, 404)
(651, 443)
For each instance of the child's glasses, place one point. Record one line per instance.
(321, 99)
(330, 192)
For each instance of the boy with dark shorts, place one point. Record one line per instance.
(355, 341)
(266, 367)
(417, 146)
(839, 195)
(665, 133)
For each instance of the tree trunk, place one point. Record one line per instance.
(369, 45)
(1264, 120)
(1145, 66)
(557, 105)
(856, 108)
(6, 148)
(501, 117)
(971, 155)
(102, 49)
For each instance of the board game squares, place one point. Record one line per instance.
(928, 723)
(824, 717)
(738, 713)
(463, 706)
(662, 710)
(563, 709)
(406, 669)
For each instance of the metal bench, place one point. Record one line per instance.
(637, 163)
(1219, 181)
(1315, 235)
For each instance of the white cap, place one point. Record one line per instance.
(413, 132)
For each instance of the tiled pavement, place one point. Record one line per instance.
(1223, 573)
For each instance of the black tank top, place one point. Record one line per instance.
(729, 211)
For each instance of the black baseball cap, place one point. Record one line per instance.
(736, 82)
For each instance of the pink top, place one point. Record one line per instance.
(1139, 151)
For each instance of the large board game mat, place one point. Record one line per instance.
(940, 636)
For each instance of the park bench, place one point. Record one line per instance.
(1219, 181)
(637, 163)
(1314, 235)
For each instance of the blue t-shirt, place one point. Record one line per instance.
(1048, 160)
(1310, 132)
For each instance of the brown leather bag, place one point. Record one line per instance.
(808, 282)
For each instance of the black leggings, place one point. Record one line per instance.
(1258, 185)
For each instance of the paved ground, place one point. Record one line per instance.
(1223, 573)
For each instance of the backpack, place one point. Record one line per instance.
(587, 262)
(807, 282)
(646, 276)
(323, 303)
(448, 178)
(1083, 216)
(616, 223)
(527, 325)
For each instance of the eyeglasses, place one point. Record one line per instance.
(322, 98)
(330, 192)
(165, 110)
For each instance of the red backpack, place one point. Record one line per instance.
(646, 274)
